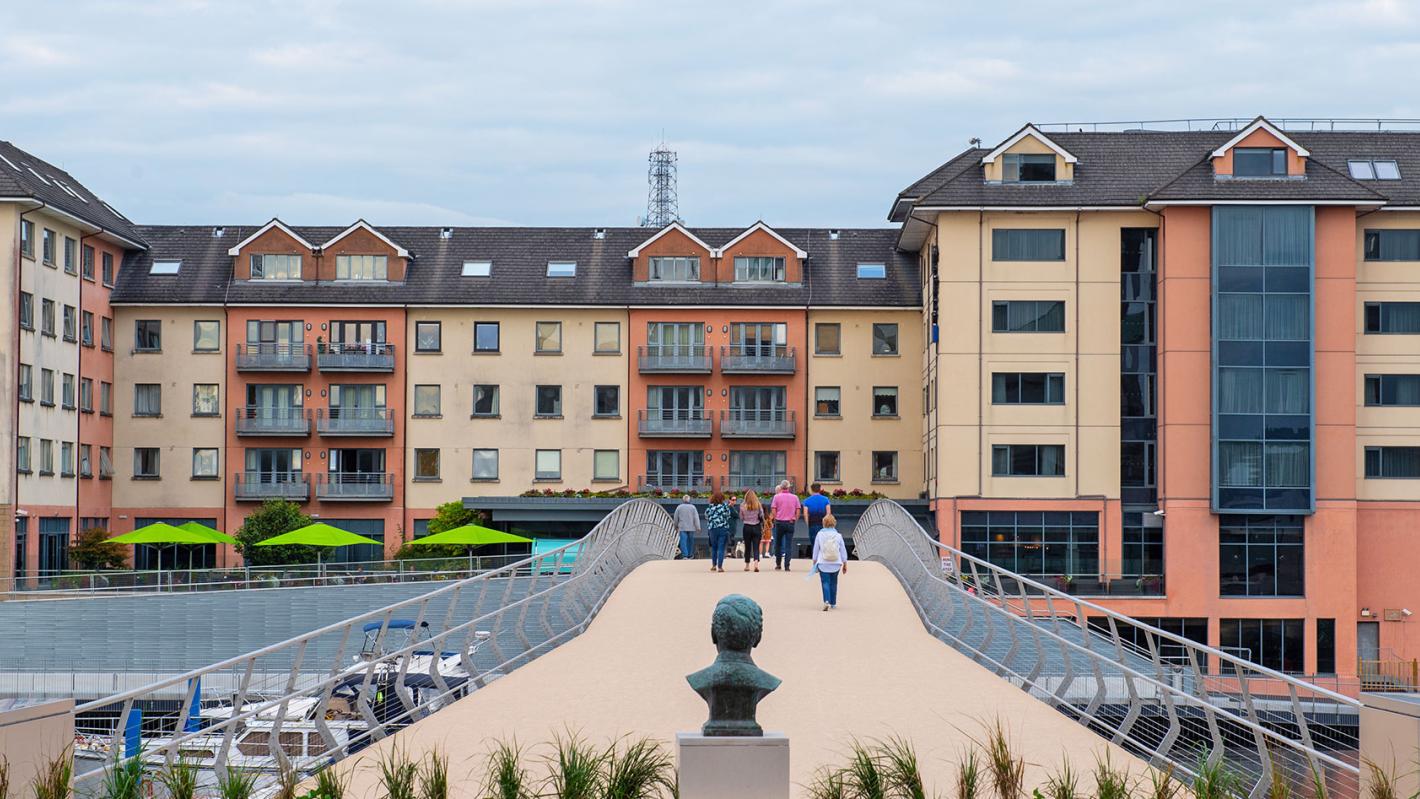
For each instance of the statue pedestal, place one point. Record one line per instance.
(730, 767)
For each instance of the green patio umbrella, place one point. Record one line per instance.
(216, 536)
(471, 535)
(160, 534)
(318, 534)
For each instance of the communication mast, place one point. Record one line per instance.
(662, 204)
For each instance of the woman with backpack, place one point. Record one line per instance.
(753, 517)
(830, 560)
(719, 520)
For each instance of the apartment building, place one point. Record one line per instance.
(1171, 369)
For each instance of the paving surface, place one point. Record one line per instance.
(867, 669)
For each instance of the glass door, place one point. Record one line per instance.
(675, 403)
(678, 339)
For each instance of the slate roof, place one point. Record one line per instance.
(519, 272)
(24, 175)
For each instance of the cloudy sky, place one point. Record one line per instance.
(542, 113)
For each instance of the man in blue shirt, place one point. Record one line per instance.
(815, 507)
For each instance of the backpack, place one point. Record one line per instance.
(828, 552)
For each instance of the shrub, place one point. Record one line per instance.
(91, 551)
(273, 518)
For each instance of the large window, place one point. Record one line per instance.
(606, 401)
(275, 267)
(47, 243)
(547, 464)
(1261, 556)
(426, 464)
(204, 463)
(107, 260)
(485, 336)
(1027, 388)
(548, 338)
(485, 464)
(606, 338)
(87, 262)
(27, 311)
(26, 383)
(428, 336)
(758, 469)
(1256, 162)
(485, 400)
(828, 338)
(1028, 167)
(1401, 390)
(885, 401)
(675, 269)
(46, 387)
(361, 267)
(147, 399)
(27, 237)
(1034, 543)
(549, 401)
(1028, 244)
(1393, 463)
(1028, 316)
(148, 335)
(1393, 245)
(1273, 643)
(884, 466)
(675, 469)
(1193, 629)
(426, 400)
(884, 338)
(759, 269)
(205, 399)
(46, 317)
(206, 336)
(86, 328)
(1143, 545)
(826, 401)
(606, 465)
(1028, 460)
(145, 463)
(71, 323)
(828, 466)
(1393, 317)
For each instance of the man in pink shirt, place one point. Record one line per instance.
(784, 510)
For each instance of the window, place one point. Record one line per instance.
(26, 388)
(1028, 460)
(426, 464)
(46, 317)
(1273, 643)
(826, 401)
(485, 336)
(1137, 395)
(105, 398)
(606, 465)
(549, 401)
(759, 269)
(86, 262)
(27, 311)
(145, 463)
(48, 244)
(547, 464)
(1028, 168)
(485, 464)
(606, 338)
(1261, 556)
(1392, 245)
(485, 400)
(561, 268)
(426, 400)
(828, 338)
(71, 323)
(46, 387)
(1143, 546)
(66, 459)
(148, 335)
(1258, 162)
(86, 394)
(46, 457)
(22, 454)
(1028, 316)
(884, 400)
(1034, 543)
(606, 401)
(107, 260)
(1403, 390)
(884, 467)
(1326, 646)
(1028, 244)
(106, 333)
(428, 336)
(86, 461)
(884, 338)
(206, 336)
(105, 463)
(204, 463)
(548, 338)
(477, 268)
(1373, 170)
(675, 269)
(205, 399)
(147, 399)
(67, 391)
(872, 271)
(165, 267)
(1392, 463)
(362, 267)
(1027, 388)
(27, 237)
(71, 251)
(86, 328)
(276, 267)
(827, 467)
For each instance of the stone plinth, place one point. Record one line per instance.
(733, 767)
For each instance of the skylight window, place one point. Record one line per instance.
(165, 267)
(477, 268)
(561, 268)
(38, 175)
(872, 271)
(1373, 170)
(113, 210)
(9, 163)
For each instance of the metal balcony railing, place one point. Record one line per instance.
(761, 359)
(376, 356)
(254, 420)
(757, 423)
(356, 487)
(674, 483)
(674, 424)
(273, 357)
(260, 486)
(355, 421)
(684, 358)
(762, 484)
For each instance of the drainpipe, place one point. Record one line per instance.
(1077, 304)
(15, 411)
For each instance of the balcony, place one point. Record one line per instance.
(272, 421)
(682, 358)
(674, 483)
(356, 487)
(355, 422)
(672, 424)
(261, 486)
(762, 484)
(273, 357)
(757, 423)
(757, 359)
(372, 357)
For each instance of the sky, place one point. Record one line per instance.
(492, 112)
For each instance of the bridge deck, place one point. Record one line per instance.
(867, 669)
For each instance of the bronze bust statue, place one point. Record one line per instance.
(732, 686)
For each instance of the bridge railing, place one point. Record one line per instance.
(1169, 699)
(354, 681)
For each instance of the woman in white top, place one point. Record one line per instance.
(830, 560)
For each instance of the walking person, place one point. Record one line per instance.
(830, 560)
(784, 510)
(687, 521)
(766, 535)
(752, 516)
(719, 520)
(815, 507)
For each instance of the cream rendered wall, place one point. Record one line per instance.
(176, 432)
(967, 423)
(9, 325)
(856, 435)
(1394, 281)
(517, 370)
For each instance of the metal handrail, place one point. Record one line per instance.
(565, 588)
(1213, 705)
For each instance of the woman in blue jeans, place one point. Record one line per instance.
(719, 520)
(830, 560)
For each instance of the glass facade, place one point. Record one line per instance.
(1138, 368)
(1034, 543)
(1262, 359)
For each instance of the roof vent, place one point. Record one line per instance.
(446, 232)
(599, 233)
(833, 235)
(217, 232)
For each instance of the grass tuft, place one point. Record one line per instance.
(827, 783)
(332, 783)
(863, 777)
(433, 776)
(575, 769)
(1063, 784)
(1215, 781)
(641, 769)
(179, 778)
(1111, 782)
(55, 777)
(1162, 785)
(968, 775)
(236, 783)
(1382, 784)
(398, 774)
(123, 779)
(506, 778)
(903, 768)
(1007, 771)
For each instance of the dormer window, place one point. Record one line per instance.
(361, 267)
(1259, 162)
(674, 269)
(275, 267)
(1028, 168)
